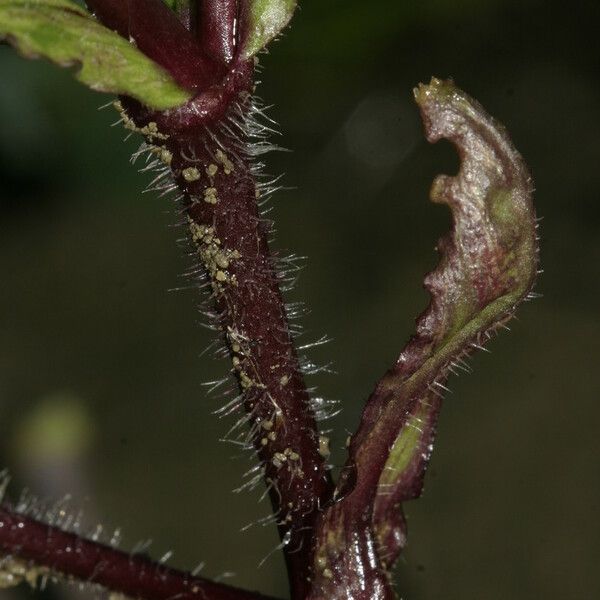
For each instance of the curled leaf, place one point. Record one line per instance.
(262, 21)
(64, 33)
(488, 264)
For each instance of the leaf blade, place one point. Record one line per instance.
(67, 35)
(261, 22)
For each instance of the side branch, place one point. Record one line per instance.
(52, 551)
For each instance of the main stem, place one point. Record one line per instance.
(214, 170)
(206, 145)
(230, 240)
(213, 167)
(208, 148)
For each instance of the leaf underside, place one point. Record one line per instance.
(488, 264)
(67, 35)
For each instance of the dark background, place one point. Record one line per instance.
(101, 390)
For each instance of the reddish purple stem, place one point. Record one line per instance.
(216, 28)
(207, 145)
(250, 307)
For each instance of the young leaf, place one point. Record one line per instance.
(64, 33)
(262, 21)
(488, 264)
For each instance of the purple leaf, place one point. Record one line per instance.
(488, 264)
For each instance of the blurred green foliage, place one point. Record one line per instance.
(512, 497)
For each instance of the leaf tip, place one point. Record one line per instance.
(262, 21)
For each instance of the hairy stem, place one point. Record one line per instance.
(231, 242)
(213, 165)
(209, 148)
(50, 550)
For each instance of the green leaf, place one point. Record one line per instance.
(262, 21)
(66, 34)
